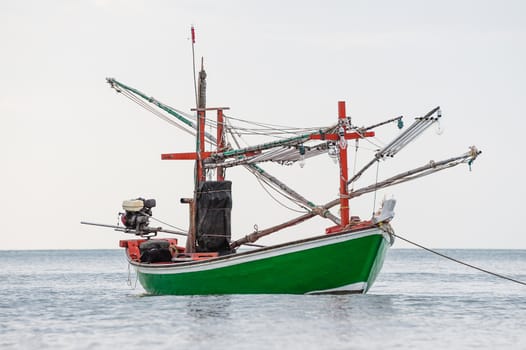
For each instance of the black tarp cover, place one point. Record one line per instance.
(214, 204)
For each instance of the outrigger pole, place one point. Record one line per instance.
(145, 232)
(424, 170)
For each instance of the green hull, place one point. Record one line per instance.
(337, 263)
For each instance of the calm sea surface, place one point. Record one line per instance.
(81, 300)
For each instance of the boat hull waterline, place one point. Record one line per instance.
(347, 262)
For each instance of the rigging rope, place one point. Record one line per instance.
(277, 201)
(129, 281)
(269, 130)
(260, 177)
(376, 185)
(271, 126)
(167, 224)
(156, 112)
(459, 262)
(355, 161)
(265, 129)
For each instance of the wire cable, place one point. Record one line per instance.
(156, 112)
(276, 200)
(167, 224)
(459, 262)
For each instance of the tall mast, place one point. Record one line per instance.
(199, 155)
(198, 170)
(201, 114)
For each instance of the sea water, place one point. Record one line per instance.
(89, 299)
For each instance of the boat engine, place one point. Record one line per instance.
(137, 214)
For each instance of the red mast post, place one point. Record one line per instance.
(344, 172)
(201, 154)
(220, 171)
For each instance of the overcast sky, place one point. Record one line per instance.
(72, 149)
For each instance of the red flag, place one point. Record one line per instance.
(193, 35)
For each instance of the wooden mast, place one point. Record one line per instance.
(201, 154)
(199, 174)
(201, 118)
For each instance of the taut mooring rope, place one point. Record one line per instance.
(460, 262)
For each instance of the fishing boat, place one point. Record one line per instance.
(346, 258)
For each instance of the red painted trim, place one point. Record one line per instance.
(198, 256)
(184, 156)
(344, 195)
(355, 225)
(133, 251)
(333, 229)
(250, 154)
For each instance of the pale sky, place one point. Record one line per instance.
(72, 149)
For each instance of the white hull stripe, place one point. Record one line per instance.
(349, 288)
